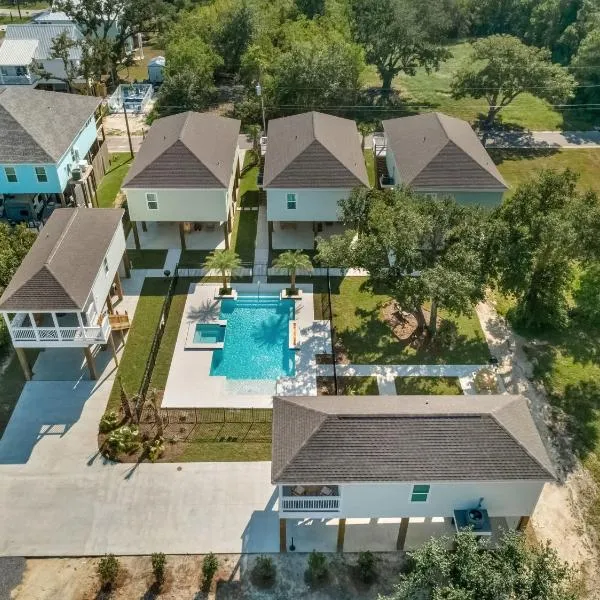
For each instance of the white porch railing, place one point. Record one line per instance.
(98, 334)
(310, 504)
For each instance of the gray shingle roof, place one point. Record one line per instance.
(187, 150)
(39, 127)
(45, 34)
(59, 270)
(406, 438)
(435, 151)
(314, 150)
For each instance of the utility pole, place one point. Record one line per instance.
(18, 10)
(127, 126)
(262, 106)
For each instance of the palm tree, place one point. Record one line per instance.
(223, 261)
(292, 262)
(153, 402)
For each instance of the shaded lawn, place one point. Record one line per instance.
(518, 165)
(367, 339)
(147, 259)
(193, 259)
(111, 183)
(440, 386)
(139, 71)
(426, 92)
(243, 234)
(12, 382)
(348, 386)
(248, 190)
(137, 348)
(370, 164)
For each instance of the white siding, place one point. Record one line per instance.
(179, 205)
(104, 280)
(390, 162)
(312, 204)
(500, 499)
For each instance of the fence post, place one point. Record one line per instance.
(332, 327)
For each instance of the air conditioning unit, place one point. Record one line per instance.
(83, 165)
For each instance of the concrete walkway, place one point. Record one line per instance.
(544, 139)
(261, 249)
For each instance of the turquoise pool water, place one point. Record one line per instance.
(209, 333)
(257, 339)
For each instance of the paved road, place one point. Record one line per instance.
(545, 139)
(6, 12)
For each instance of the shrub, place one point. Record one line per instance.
(210, 564)
(159, 561)
(154, 449)
(485, 381)
(109, 421)
(587, 296)
(317, 567)
(108, 570)
(124, 439)
(264, 571)
(366, 566)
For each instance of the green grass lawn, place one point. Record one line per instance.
(14, 20)
(248, 191)
(368, 339)
(12, 382)
(193, 259)
(370, 163)
(111, 183)
(439, 386)
(137, 349)
(518, 166)
(243, 234)
(425, 92)
(348, 386)
(139, 71)
(147, 259)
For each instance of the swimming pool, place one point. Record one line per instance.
(256, 340)
(208, 333)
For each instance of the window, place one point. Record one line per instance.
(152, 201)
(291, 201)
(40, 173)
(419, 493)
(105, 263)
(11, 174)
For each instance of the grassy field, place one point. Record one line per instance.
(139, 71)
(438, 386)
(147, 259)
(370, 163)
(368, 339)
(111, 183)
(517, 166)
(12, 382)
(425, 92)
(348, 386)
(139, 340)
(14, 19)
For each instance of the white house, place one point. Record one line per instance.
(313, 160)
(61, 295)
(439, 155)
(182, 184)
(26, 47)
(405, 457)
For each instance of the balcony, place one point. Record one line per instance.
(310, 498)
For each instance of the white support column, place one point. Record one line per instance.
(57, 327)
(81, 325)
(7, 321)
(34, 325)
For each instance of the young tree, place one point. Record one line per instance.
(224, 262)
(400, 35)
(472, 571)
(62, 49)
(502, 67)
(293, 261)
(424, 250)
(586, 67)
(538, 232)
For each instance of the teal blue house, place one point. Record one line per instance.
(439, 155)
(48, 151)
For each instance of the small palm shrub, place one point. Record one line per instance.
(109, 421)
(125, 439)
(366, 566)
(159, 562)
(210, 564)
(108, 570)
(318, 569)
(264, 571)
(485, 381)
(154, 449)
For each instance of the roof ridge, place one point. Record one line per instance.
(61, 237)
(494, 416)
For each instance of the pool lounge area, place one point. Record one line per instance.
(233, 353)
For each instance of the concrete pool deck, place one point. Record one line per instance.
(190, 384)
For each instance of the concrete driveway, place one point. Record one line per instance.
(58, 497)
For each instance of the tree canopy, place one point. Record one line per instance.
(425, 251)
(472, 571)
(502, 67)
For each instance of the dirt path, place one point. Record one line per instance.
(560, 514)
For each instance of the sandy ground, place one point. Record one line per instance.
(560, 514)
(76, 579)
